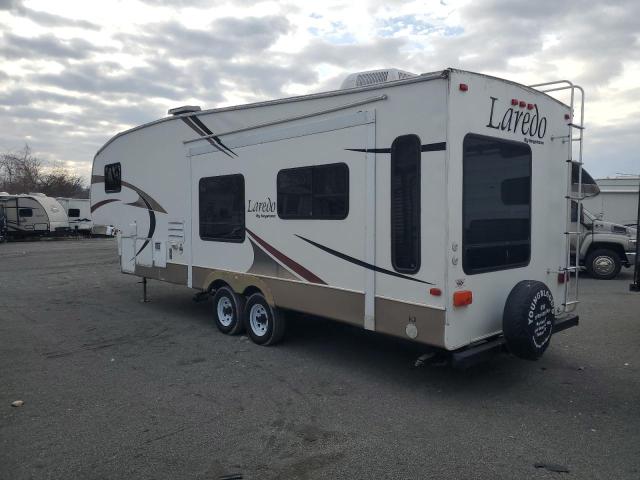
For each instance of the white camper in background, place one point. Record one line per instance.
(79, 213)
(434, 208)
(34, 214)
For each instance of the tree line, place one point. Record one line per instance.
(23, 172)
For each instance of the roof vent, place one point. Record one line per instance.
(373, 77)
(37, 194)
(184, 109)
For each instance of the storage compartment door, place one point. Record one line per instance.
(127, 241)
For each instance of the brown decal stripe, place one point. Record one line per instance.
(355, 261)
(427, 147)
(101, 203)
(206, 130)
(288, 262)
(200, 132)
(144, 199)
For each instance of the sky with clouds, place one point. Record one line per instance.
(75, 72)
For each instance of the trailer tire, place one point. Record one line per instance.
(603, 264)
(228, 309)
(528, 319)
(265, 325)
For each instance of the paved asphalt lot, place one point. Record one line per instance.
(114, 388)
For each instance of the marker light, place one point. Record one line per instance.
(522, 104)
(563, 277)
(567, 116)
(530, 106)
(514, 101)
(462, 298)
(436, 292)
(464, 87)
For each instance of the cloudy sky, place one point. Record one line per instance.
(75, 72)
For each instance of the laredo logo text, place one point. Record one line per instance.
(262, 209)
(531, 124)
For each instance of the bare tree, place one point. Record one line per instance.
(23, 172)
(20, 171)
(59, 182)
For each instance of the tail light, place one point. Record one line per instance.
(462, 298)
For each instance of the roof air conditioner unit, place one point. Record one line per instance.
(373, 77)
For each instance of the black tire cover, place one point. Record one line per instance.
(528, 319)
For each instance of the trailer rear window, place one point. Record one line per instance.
(74, 212)
(405, 203)
(221, 208)
(319, 192)
(496, 204)
(112, 178)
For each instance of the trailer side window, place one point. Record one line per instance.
(319, 192)
(25, 212)
(112, 178)
(74, 213)
(405, 203)
(221, 208)
(496, 204)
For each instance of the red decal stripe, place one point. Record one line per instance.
(292, 264)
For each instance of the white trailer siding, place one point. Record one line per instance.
(342, 269)
(470, 113)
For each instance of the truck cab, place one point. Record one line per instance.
(605, 247)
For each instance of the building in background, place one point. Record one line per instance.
(618, 200)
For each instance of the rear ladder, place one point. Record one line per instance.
(573, 194)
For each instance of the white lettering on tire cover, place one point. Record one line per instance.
(540, 317)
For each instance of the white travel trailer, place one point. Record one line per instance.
(79, 213)
(33, 214)
(434, 208)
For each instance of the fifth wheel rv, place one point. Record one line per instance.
(433, 207)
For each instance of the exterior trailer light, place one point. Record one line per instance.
(464, 87)
(462, 298)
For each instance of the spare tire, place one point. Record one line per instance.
(528, 319)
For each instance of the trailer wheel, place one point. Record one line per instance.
(528, 319)
(603, 264)
(228, 308)
(265, 325)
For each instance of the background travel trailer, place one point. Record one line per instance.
(79, 213)
(412, 208)
(34, 214)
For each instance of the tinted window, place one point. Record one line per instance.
(496, 210)
(112, 178)
(221, 208)
(405, 203)
(25, 212)
(74, 213)
(317, 192)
